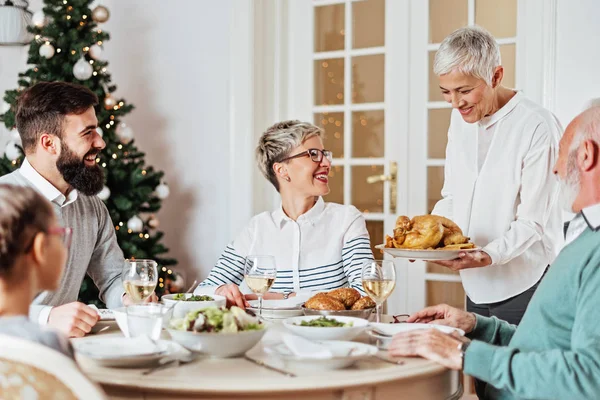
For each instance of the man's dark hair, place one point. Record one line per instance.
(44, 106)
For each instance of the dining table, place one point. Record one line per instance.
(261, 375)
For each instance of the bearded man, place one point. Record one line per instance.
(57, 124)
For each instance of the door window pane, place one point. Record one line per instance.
(368, 18)
(446, 16)
(336, 185)
(435, 182)
(329, 81)
(451, 293)
(368, 79)
(498, 17)
(367, 197)
(367, 133)
(438, 122)
(376, 234)
(329, 28)
(435, 94)
(507, 53)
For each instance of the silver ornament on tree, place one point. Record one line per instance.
(47, 51)
(100, 14)
(135, 224)
(12, 151)
(109, 102)
(82, 69)
(39, 19)
(95, 52)
(104, 194)
(4, 107)
(15, 136)
(162, 191)
(124, 133)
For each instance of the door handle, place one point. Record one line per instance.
(392, 178)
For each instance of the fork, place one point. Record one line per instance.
(173, 362)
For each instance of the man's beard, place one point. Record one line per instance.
(570, 185)
(85, 179)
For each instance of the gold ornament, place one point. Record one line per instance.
(153, 222)
(100, 14)
(109, 102)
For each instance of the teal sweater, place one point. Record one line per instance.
(554, 353)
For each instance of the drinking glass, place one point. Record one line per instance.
(139, 279)
(147, 319)
(378, 281)
(260, 273)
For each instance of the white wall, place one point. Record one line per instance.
(171, 60)
(578, 57)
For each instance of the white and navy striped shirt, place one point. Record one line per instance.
(324, 249)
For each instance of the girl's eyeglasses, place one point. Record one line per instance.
(315, 154)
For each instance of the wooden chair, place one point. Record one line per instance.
(29, 370)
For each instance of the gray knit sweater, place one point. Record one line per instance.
(94, 249)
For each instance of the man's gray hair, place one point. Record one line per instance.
(471, 50)
(588, 128)
(278, 141)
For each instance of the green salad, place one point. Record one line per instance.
(181, 297)
(214, 319)
(324, 322)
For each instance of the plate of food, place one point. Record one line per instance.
(320, 327)
(278, 309)
(186, 302)
(426, 237)
(345, 302)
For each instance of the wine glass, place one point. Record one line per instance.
(139, 279)
(260, 273)
(378, 281)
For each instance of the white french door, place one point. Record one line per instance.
(361, 69)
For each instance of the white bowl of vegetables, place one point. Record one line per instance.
(183, 303)
(320, 327)
(217, 332)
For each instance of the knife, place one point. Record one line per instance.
(262, 364)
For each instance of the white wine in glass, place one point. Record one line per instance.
(139, 279)
(260, 273)
(379, 281)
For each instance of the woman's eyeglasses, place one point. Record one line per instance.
(315, 155)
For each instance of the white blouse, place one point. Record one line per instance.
(323, 249)
(508, 202)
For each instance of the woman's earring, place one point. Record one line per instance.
(287, 178)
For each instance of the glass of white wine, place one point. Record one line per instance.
(260, 273)
(139, 279)
(379, 281)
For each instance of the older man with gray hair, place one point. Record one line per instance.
(554, 353)
(498, 184)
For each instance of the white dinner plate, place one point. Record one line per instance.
(125, 352)
(425, 255)
(344, 355)
(383, 333)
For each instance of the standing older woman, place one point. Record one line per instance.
(317, 245)
(498, 183)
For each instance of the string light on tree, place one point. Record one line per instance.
(104, 193)
(82, 70)
(135, 224)
(162, 191)
(46, 50)
(100, 14)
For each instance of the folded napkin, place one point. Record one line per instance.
(304, 348)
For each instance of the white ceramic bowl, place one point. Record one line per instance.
(329, 333)
(383, 333)
(181, 308)
(218, 344)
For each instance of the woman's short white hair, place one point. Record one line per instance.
(276, 143)
(471, 50)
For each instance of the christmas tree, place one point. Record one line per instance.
(68, 47)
